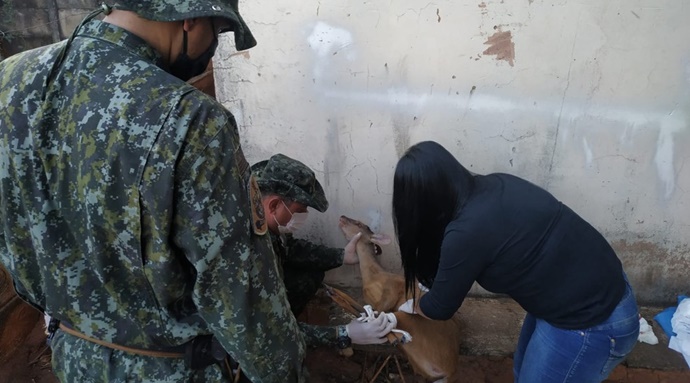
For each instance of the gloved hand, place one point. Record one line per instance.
(372, 332)
(350, 257)
(422, 288)
(408, 307)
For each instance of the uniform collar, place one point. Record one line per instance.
(119, 36)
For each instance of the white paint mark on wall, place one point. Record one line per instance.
(326, 41)
(395, 97)
(374, 216)
(588, 151)
(664, 152)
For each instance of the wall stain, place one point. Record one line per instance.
(501, 45)
(657, 271)
(401, 131)
(334, 158)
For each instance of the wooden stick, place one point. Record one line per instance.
(399, 369)
(237, 377)
(380, 368)
(364, 369)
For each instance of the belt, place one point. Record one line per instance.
(191, 351)
(131, 350)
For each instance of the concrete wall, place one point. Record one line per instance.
(28, 24)
(589, 99)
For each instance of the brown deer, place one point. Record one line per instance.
(435, 347)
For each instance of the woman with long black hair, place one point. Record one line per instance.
(513, 237)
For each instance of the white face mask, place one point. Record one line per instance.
(296, 222)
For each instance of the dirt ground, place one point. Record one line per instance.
(326, 366)
(30, 363)
(24, 357)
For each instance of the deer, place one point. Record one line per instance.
(435, 347)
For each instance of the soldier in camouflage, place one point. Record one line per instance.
(126, 209)
(288, 188)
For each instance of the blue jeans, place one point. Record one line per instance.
(547, 354)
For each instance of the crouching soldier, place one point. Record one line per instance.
(288, 189)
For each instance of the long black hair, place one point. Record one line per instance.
(429, 187)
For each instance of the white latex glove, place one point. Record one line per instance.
(422, 288)
(373, 332)
(350, 257)
(407, 307)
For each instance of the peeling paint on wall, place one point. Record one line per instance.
(501, 45)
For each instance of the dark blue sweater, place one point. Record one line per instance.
(515, 238)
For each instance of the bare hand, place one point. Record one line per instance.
(350, 257)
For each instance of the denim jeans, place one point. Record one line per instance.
(547, 354)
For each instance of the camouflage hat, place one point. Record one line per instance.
(175, 10)
(291, 179)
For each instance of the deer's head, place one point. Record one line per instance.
(350, 227)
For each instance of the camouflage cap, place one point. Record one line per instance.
(291, 179)
(175, 10)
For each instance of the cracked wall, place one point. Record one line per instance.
(588, 99)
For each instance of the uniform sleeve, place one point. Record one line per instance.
(306, 255)
(318, 335)
(237, 289)
(459, 265)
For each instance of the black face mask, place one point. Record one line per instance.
(185, 67)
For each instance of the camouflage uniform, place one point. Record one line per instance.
(303, 264)
(124, 197)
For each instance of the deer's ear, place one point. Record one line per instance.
(380, 239)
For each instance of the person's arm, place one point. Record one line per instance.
(460, 264)
(315, 335)
(306, 255)
(360, 332)
(237, 291)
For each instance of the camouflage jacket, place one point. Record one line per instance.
(296, 253)
(302, 254)
(123, 193)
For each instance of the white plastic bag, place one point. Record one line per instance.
(646, 333)
(680, 322)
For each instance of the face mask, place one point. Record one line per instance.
(297, 220)
(185, 67)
